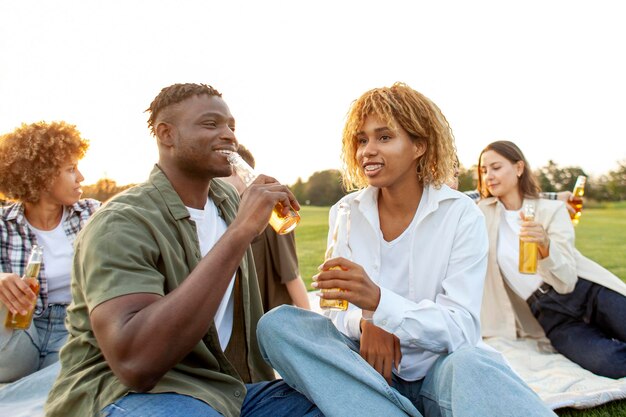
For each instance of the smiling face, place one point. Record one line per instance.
(196, 133)
(500, 175)
(65, 189)
(387, 155)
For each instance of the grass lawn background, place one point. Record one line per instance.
(601, 236)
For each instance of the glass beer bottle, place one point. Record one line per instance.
(577, 199)
(282, 224)
(19, 321)
(339, 247)
(528, 250)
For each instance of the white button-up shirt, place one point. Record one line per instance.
(439, 310)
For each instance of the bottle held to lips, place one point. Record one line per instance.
(281, 223)
(339, 247)
(22, 321)
(528, 250)
(577, 199)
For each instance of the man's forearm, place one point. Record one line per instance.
(144, 335)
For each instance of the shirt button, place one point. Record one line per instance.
(384, 322)
(237, 393)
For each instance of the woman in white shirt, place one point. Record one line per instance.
(38, 170)
(410, 342)
(577, 304)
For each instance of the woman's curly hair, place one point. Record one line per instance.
(32, 156)
(415, 113)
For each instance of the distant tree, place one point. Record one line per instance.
(299, 190)
(569, 176)
(103, 190)
(616, 182)
(548, 176)
(598, 189)
(324, 188)
(544, 181)
(553, 178)
(467, 178)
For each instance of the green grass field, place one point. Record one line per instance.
(599, 236)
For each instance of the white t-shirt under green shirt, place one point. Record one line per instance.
(211, 227)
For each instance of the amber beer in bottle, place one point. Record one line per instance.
(339, 247)
(528, 250)
(577, 199)
(281, 223)
(19, 321)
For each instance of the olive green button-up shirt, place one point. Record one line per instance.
(143, 241)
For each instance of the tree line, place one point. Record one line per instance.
(324, 188)
(607, 187)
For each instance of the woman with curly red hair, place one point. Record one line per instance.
(38, 171)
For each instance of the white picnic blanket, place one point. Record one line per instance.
(558, 381)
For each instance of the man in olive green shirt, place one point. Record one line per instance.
(165, 300)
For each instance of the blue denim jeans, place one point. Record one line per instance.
(263, 399)
(316, 359)
(27, 396)
(586, 326)
(26, 351)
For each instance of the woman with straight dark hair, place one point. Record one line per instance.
(576, 303)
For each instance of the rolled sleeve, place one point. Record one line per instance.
(347, 322)
(113, 258)
(352, 322)
(391, 310)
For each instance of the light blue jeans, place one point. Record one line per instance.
(263, 399)
(27, 396)
(316, 359)
(23, 352)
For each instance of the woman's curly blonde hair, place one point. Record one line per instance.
(32, 156)
(415, 113)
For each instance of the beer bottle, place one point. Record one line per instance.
(19, 321)
(339, 247)
(282, 224)
(528, 250)
(577, 199)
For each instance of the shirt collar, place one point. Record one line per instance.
(14, 212)
(170, 196)
(489, 201)
(433, 196)
(175, 205)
